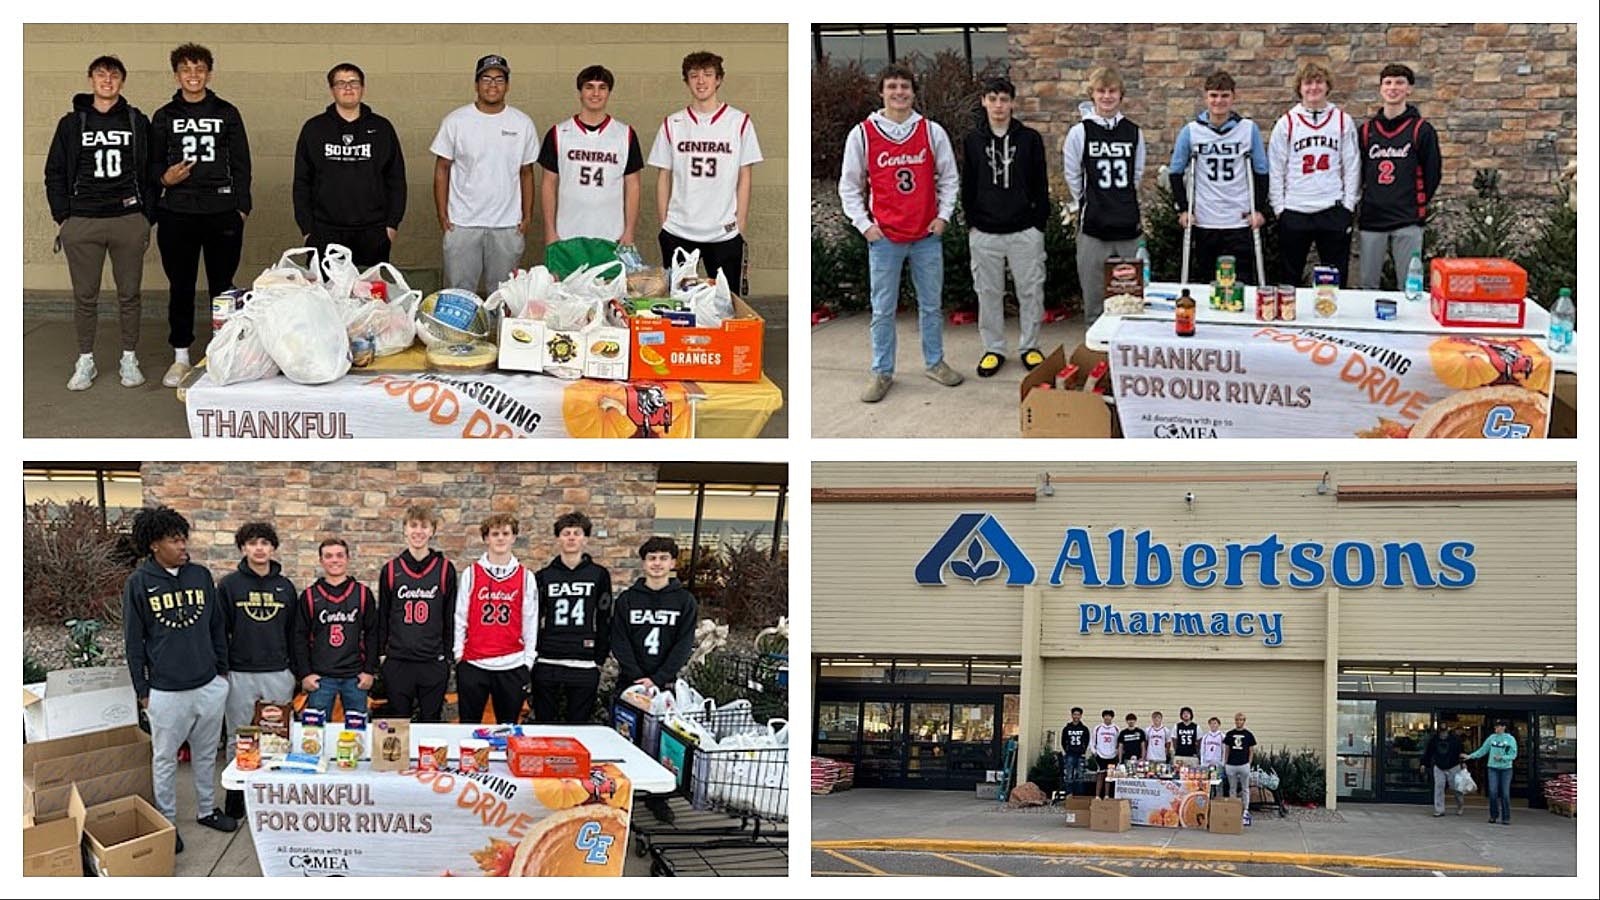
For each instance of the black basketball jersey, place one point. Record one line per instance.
(1392, 191)
(417, 602)
(1110, 193)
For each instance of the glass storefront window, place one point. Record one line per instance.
(1434, 681)
(929, 42)
(870, 49)
(122, 485)
(930, 671)
(838, 669)
(1558, 746)
(730, 515)
(1408, 735)
(1357, 740)
(974, 722)
(1011, 716)
(988, 672)
(989, 49)
(838, 721)
(1547, 682)
(1375, 681)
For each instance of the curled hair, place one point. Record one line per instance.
(702, 59)
(193, 53)
(574, 519)
(250, 531)
(154, 523)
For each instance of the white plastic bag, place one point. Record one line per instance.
(338, 271)
(684, 272)
(392, 325)
(236, 353)
(305, 335)
(710, 303)
(395, 287)
(1462, 781)
(524, 294)
(295, 268)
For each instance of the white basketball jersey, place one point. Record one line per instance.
(1221, 193)
(1314, 179)
(704, 154)
(591, 164)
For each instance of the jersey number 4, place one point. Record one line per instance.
(652, 641)
(1312, 162)
(568, 612)
(1113, 173)
(703, 166)
(592, 175)
(496, 614)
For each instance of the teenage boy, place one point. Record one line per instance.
(898, 187)
(1226, 150)
(1316, 178)
(484, 182)
(574, 626)
(1158, 740)
(593, 162)
(177, 652)
(200, 157)
(1006, 193)
(349, 174)
(1104, 160)
(258, 607)
(705, 153)
(1186, 740)
(335, 646)
(1105, 751)
(1240, 747)
(1131, 739)
(1400, 170)
(1074, 746)
(417, 616)
(497, 627)
(100, 195)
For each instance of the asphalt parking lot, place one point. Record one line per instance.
(877, 863)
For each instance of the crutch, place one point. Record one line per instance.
(1255, 233)
(1191, 174)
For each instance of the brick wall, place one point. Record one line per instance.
(416, 73)
(364, 503)
(1488, 113)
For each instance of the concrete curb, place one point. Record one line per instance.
(1237, 856)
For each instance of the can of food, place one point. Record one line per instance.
(223, 306)
(362, 351)
(474, 755)
(1385, 309)
(1286, 303)
(1227, 272)
(1266, 303)
(432, 755)
(247, 749)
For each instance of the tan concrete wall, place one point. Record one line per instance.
(416, 73)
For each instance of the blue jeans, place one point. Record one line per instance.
(884, 260)
(354, 698)
(1500, 795)
(1071, 773)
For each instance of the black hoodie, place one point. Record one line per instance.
(259, 611)
(1005, 185)
(176, 640)
(348, 174)
(574, 611)
(210, 132)
(97, 162)
(652, 632)
(1400, 170)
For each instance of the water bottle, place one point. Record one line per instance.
(1562, 317)
(1143, 256)
(1414, 277)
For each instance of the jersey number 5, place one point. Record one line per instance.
(1219, 169)
(703, 166)
(1313, 163)
(335, 635)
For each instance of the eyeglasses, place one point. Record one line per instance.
(491, 79)
(346, 85)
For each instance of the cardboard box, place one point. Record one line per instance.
(1564, 406)
(546, 757)
(1077, 811)
(729, 352)
(51, 850)
(103, 765)
(128, 837)
(1226, 815)
(1110, 815)
(78, 701)
(1485, 293)
(1071, 413)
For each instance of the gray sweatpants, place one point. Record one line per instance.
(1441, 779)
(86, 243)
(1238, 779)
(194, 716)
(245, 688)
(1024, 250)
(1376, 246)
(473, 254)
(1092, 256)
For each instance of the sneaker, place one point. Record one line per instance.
(1505, 821)
(1461, 807)
(220, 820)
(1438, 815)
(1493, 821)
(990, 364)
(1032, 358)
(876, 388)
(175, 373)
(178, 838)
(129, 370)
(942, 373)
(82, 375)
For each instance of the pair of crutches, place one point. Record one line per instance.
(1255, 233)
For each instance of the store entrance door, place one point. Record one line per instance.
(1475, 726)
(937, 744)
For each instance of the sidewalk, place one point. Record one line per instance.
(1537, 843)
(841, 356)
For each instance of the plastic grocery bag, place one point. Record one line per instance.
(565, 257)
(525, 294)
(236, 353)
(305, 336)
(393, 326)
(295, 268)
(684, 272)
(1462, 781)
(710, 303)
(338, 271)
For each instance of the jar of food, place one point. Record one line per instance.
(1183, 317)
(347, 754)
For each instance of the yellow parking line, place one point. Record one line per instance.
(972, 865)
(1103, 871)
(870, 870)
(1323, 871)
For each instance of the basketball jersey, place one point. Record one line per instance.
(704, 154)
(1222, 167)
(1211, 748)
(1105, 741)
(1314, 179)
(494, 614)
(591, 165)
(1155, 747)
(569, 619)
(1110, 196)
(1186, 739)
(902, 182)
(417, 626)
(338, 617)
(1392, 189)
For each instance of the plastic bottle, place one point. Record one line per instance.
(1143, 255)
(1414, 291)
(1562, 318)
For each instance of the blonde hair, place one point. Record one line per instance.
(1106, 77)
(1312, 71)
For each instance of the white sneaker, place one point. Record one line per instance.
(83, 375)
(129, 370)
(175, 374)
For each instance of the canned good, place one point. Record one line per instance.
(224, 305)
(1266, 303)
(474, 755)
(432, 756)
(247, 749)
(1227, 272)
(1286, 303)
(1386, 310)
(362, 351)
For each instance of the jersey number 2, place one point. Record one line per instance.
(1386, 171)
(496, 614)
(201, 147)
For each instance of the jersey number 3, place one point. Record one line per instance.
(496, 614)
(905, 180)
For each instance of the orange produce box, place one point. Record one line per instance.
(1477, 292)
(546, 757)
(729, 352)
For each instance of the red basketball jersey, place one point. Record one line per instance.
(494, 614)
(903, 182)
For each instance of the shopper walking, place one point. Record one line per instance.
(1501, 748)
(1443, 755)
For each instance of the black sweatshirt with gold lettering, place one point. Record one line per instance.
(173, 625)
(258, 611)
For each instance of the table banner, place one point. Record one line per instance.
(442, 822)
(1165, 803)
(1276, 380)
(497, 405)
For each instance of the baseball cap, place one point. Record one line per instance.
(493, 61)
